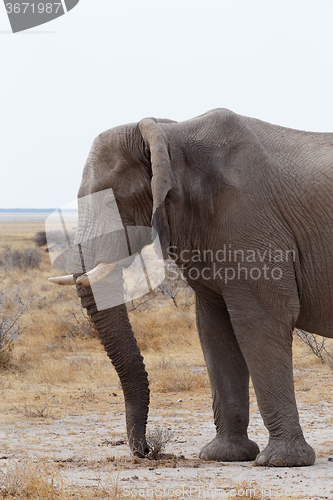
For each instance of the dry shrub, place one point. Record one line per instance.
(40, 238)
(174, 291)
(23, 259)
(11, 310)
(321, 347)
(38, 410)
(157, 439)
(78, 323)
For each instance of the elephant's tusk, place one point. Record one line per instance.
(63, 280)
(98, 273)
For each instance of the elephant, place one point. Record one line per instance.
(245, 209)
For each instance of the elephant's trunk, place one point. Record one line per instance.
(116, 335)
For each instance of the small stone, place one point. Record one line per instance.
(330, 459)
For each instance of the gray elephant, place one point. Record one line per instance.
(245, 209)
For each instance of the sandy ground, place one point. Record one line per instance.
(87, 441)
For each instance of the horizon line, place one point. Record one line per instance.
(17, 209)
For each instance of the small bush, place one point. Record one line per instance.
(173, 288)
(40, 239)
(28, 258)
(317, 345)
(38, 411)
(52, 238)
(157, 440)
(78, 323)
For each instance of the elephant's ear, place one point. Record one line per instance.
(162, 180)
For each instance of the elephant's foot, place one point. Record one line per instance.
(224, 449)
(286, 454)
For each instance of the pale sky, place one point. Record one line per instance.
(111, 62)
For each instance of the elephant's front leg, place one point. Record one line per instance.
(229, 380)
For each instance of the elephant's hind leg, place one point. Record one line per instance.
(229, 380)
(263, 327)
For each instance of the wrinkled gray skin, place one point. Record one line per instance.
(224, 179)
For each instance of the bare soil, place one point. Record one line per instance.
(87, 443)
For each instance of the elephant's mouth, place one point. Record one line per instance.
(87, 279)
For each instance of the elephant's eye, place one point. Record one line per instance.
(111, 202)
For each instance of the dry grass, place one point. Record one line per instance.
(59, 348)
(169, 376)
(43, 481)
(162, 329)
(19, 234)
(29, 480)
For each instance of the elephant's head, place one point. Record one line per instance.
(123, 192)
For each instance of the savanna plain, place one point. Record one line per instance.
(62, 417)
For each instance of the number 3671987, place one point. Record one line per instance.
(33, 8)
